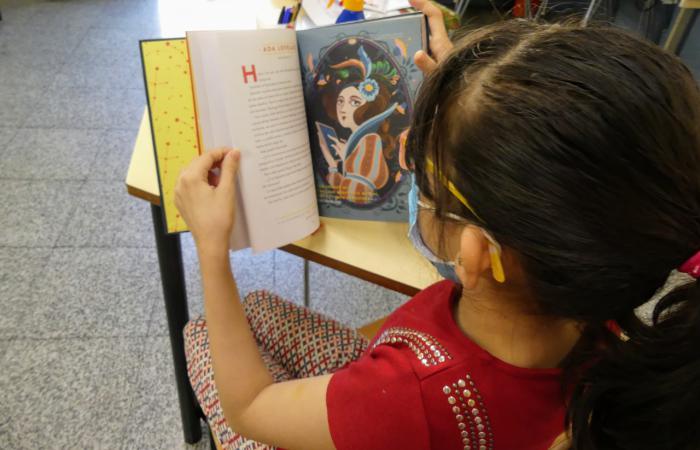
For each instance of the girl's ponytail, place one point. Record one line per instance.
(642, 390)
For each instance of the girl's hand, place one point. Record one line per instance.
(205, 195)
(440, 44)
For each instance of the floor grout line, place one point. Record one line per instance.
(73, 338)
(68, 217)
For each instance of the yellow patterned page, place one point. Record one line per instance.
(173, 121)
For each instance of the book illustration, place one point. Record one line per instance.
(362, 100)
(358, 93)
(172, 115)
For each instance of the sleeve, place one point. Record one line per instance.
(376, 403)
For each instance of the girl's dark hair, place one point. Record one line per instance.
(579, 149)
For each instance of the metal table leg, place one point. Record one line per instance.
(307, 301)
(173, 279)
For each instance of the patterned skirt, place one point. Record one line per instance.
(294, 343)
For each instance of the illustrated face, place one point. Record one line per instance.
(348, 101)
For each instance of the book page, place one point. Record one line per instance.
(214, 130)
(261, 93)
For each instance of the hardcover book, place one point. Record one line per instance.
(320, 117)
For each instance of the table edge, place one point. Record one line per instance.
(362, 274)
(143, 195)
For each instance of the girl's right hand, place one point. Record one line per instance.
(440, 44)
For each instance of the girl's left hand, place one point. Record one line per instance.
(206, 198)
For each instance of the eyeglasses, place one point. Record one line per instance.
(494, 247)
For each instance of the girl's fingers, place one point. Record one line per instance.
(424, 62)
(201, 166)
(435, 19)
(229, 169)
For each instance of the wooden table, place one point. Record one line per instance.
(378, 252)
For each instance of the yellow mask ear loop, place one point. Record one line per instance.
(495, 255)
(494, 247)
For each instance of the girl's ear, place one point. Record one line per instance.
(473, 257)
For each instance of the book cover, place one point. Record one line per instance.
(172, 115)
(359, 85)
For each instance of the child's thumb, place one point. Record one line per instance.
(229, 169)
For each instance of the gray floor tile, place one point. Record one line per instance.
(124, 40)
(121, 53)
(131, 15)
(6, 135)
(114, 156)
(32, 54)
(107, 216)
(162, 430)
(129, 74)
(63, 154)
(17, 71)
(68, 14)
(289, 276)
(4, 344)
(37, 46)
(17, 104)
(86, 107)
(251, 272)
(17, 11)
(95, 292)
(20, 270)
(69, 393)
(33, 213)
(349, 300)
(106, 57)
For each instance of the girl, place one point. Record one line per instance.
(557, 184)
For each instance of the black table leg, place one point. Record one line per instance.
(173, 278)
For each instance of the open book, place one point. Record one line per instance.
(320, 117)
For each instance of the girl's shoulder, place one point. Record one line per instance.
(422, 371)
(426, 327)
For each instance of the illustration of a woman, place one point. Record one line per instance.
(359, 99)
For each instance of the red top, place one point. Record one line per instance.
(422, 384)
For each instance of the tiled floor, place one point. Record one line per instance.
(84, 353)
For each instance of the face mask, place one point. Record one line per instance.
(444, 268)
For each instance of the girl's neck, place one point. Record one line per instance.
(501, 324)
